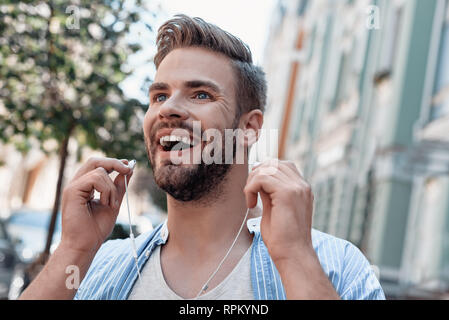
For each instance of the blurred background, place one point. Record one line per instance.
(357, 89)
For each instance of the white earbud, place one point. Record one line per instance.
(132, 164)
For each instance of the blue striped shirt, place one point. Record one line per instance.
(113, 273)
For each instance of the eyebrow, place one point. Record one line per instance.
(158, 86)
(192, 84)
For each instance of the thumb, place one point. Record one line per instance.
(119, 183)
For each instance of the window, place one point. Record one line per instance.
(440, 102)
(343, 73)
(299, 112)
(302, 7)
(311, 44)
(323, 203)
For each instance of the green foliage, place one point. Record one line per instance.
(61, 64)
(55, 76)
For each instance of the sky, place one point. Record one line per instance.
(247, 19)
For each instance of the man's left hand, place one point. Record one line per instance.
(287, 209)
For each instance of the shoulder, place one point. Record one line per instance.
(113, 249)
(347, 267)
(331, 247)
(107, 264)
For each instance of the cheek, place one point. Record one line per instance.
(225, 115)
(216, 116)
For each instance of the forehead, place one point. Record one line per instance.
(187, 64)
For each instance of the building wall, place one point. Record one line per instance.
(369, 127)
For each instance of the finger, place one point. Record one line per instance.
(90, 183)
(119, 183)
(105, 196)
(113, 194)
(274, 172)
(287, 175)
(251, 199)
(109, 164)
(285, 171)
(119, 180)
(108, 192)
(266, 207)
(259, 183)
(268, 167)
(266, 200)
(276, 163)
(290, 169)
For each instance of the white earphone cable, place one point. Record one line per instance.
(131, 234)
(206, 285)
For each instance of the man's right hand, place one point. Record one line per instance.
(87, 222)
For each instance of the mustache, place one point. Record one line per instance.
(174, 124)
(150, 140)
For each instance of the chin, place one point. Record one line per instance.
(176, 180)
(191, 182)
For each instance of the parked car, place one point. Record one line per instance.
(8, 260)
(121, 231)
(29, 230)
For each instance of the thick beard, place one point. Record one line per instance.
(201, 183)
(198, 182)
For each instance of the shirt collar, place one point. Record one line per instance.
(164, 232)
(253, 226)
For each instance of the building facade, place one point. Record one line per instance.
(359, 91)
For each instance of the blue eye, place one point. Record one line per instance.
(161, 97)
(202, 95)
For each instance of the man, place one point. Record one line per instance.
(211, 246)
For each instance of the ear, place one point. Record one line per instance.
(252, 123)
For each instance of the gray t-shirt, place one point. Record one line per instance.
(152, 285)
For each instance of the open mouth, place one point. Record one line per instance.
(176, 143)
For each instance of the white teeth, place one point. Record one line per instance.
(166, 139)
(185, 140)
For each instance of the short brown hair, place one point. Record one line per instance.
(183, 31)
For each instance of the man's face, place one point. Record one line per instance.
(191, 85)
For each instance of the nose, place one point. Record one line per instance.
(171, 108)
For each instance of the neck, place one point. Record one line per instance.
(194, 226)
